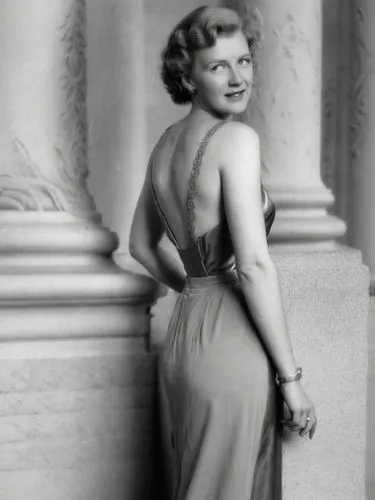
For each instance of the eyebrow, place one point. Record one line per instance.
(218, 61)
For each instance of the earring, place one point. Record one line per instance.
(189, 87)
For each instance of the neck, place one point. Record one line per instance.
(200, 108)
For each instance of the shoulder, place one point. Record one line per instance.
(240, 132)
(159, 148)
(239, 137)
(239, 143)
(163, 139)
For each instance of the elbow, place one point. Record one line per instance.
(259, 269)
(133, 251)
(140, 252)
(136, 251)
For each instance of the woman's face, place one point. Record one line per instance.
(222, 75)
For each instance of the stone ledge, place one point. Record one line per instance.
(124, 480)
(73, 321)
(39, 375)
(70, 402)
(42, 429)
(75, 452)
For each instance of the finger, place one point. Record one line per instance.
(314, 423)
(309, 419)
(313, 429)
(290, 425)
(309, 425)
(304, 420)
(289, 422)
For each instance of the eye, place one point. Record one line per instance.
(245, 61)
(216, 67)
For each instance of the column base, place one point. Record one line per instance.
(306, 231)
(302, 222)
(77, 376)
(76, 419)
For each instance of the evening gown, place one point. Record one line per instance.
(218, 381)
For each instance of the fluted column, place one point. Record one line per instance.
(117, 102)
(362, 126)
(285, 109)
(76, 380)
(43, 136)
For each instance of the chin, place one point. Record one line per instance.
(236, 109)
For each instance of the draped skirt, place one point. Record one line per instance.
(220, 397)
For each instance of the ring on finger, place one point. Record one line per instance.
(308, 420)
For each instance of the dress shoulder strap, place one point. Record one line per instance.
(160, 210)
(190, 199)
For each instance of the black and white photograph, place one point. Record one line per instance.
(187, 250)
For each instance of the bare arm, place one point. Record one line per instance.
(240, 174)
(257, 273)
(144, 244)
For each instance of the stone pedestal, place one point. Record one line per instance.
(76, 375)
(325, 295)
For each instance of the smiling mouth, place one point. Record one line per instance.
(235, 94)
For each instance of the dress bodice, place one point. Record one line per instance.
(211, 253)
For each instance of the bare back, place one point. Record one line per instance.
(185, 170)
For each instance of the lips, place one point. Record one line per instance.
(238, 93)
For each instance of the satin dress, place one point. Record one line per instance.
(215, 373)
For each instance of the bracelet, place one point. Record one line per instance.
(297, 375)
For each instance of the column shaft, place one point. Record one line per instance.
(285, 109)
(44, 129)
(117, 102)
(362, 145)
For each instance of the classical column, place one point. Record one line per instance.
(117, 101)
(362, 145)
(361, 226)
(76, 380)
(285, 110)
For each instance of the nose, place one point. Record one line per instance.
(235, 77)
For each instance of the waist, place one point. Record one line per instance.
(196, 282)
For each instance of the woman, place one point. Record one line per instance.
(227, 336)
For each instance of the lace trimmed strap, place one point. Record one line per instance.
(190, 201)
